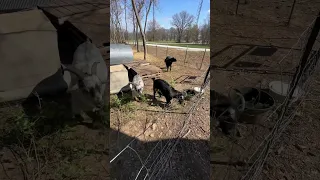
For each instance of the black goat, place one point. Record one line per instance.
(169, 60)
(226, 111)
(164, 89)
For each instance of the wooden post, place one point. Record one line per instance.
(238, 2)
(167, 51)
(185, 57)
(156, 50)
(289, 19)
(203, 57)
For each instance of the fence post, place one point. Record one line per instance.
(156, 50)
(203, 57)
(303, 61)
(167, 51)
(237, 6)
(185, 57)
(291, 11)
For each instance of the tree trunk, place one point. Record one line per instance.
(125, 17)
(141, 31)
(137, 37)
(134, 30)
(148, 10)
(153, 24)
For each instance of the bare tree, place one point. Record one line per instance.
(116, 11)
(139, 7)
(125, 19)
(147, 13)
(181, 21)
(140, 27)
(205, 32)
(152, 30)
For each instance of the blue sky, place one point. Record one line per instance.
(167, 8)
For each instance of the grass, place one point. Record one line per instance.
(124, 103)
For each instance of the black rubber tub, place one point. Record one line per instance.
(258, 103)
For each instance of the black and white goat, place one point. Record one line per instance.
(86, 79)
(169, 60)
(226, 111)
(136, 82)
(164, 89)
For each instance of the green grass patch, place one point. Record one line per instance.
(124, 103)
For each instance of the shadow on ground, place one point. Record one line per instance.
(39, 139)
(169, 159)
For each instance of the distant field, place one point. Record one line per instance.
(190, 45)
(172, 43)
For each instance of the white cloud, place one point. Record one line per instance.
(209, 11)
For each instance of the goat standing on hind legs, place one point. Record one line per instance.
(226, 111)
(164, 89)
(169, 60)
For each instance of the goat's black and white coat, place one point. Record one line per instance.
(136, 82)
(169, 60)
(86, 78)
(164, 89)
(226, 111)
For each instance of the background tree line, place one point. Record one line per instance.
(184, 25)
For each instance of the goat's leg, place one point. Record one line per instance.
(170, 68)
(76, 107)
(154, 94)
(168, 99)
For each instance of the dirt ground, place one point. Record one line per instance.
(49, 145)
(233, 38)
(149, 124)
(191, 59)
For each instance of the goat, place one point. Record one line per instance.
(86, 79)
(163, 88)
(136, 82)
(226, 111)
(169, 60)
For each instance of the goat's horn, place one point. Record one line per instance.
(75, 71)
(94, 68)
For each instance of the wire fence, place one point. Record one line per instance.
(156, 164)
(253, 149)
(197, 58)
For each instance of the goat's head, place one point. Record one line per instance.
(181, 97)
(170, 59)
(90, 84)
(133, 87)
